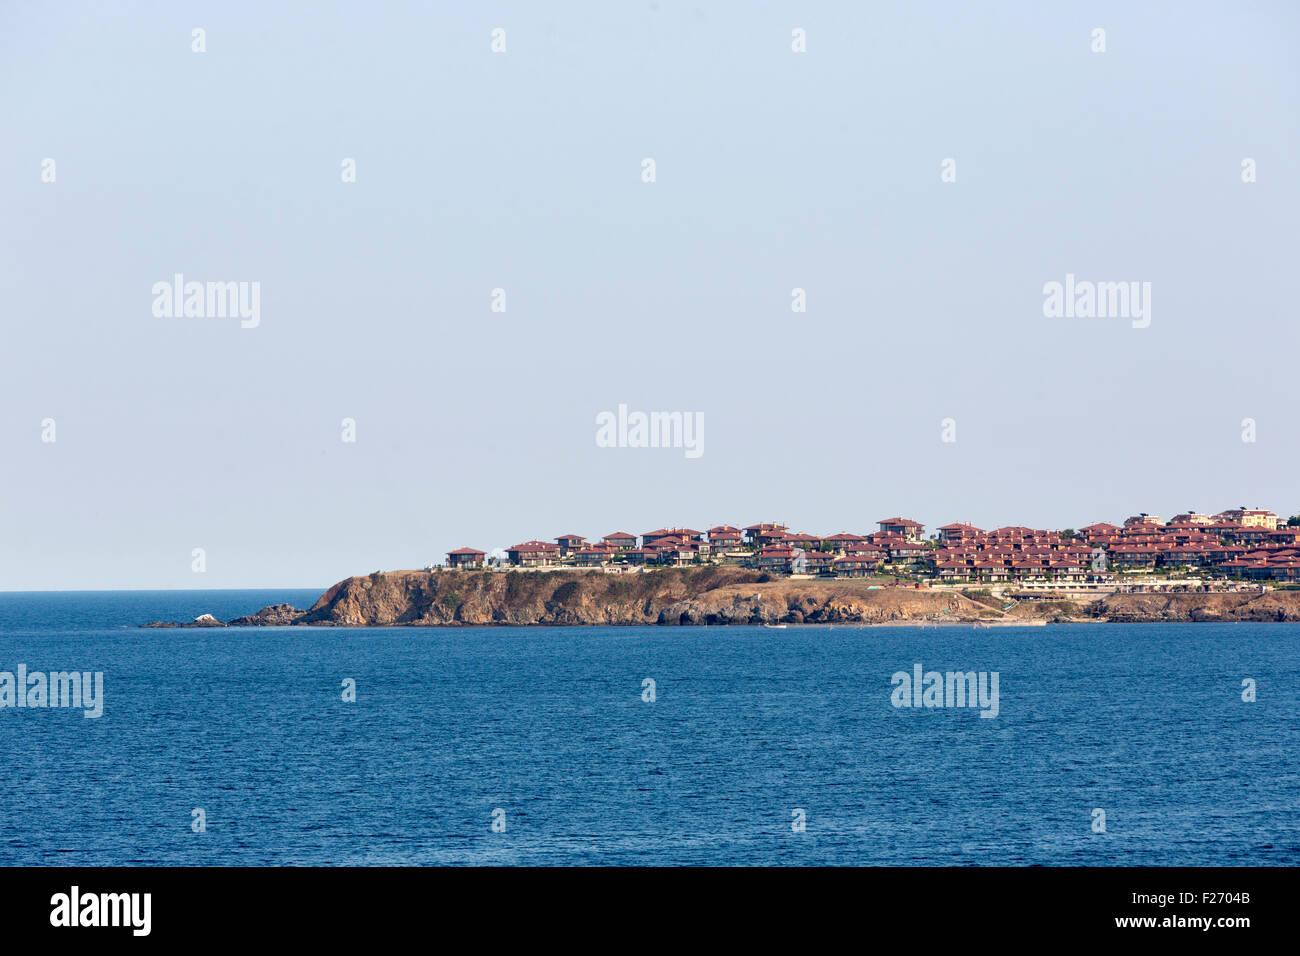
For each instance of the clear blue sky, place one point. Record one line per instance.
(522, 171)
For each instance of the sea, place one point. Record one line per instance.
(1112, 744)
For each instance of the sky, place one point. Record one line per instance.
(523, 170)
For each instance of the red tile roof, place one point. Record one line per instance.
(532, 546)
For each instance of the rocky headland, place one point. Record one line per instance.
(715, 595)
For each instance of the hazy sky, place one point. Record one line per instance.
(522, 171)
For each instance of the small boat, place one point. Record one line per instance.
(778, 627)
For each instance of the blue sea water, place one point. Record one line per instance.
(1146, 722)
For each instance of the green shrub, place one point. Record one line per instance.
(565, 592)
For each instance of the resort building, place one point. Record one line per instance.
(570, 544)
(814, 562)
(1191, 517)
(764, 530)
(902, 527)
(842, 542)
(957, 533)
(774, 558)
(1249, 517)
(724, 537)
(854, 567)
(1142, 519)
(534, 554)
(465, 558)
(1099, 531)
(684, 534)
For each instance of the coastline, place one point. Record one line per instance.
(721, 596)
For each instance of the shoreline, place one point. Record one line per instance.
(720, 596)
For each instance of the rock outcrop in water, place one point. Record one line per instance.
(203, 620)
(276, 615)
(715, 595)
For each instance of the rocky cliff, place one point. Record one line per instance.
(717, 595)
(1232, 606)
(721, 595)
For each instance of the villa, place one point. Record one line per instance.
(902, 527)
(534, 554)
(465, 558)
(570, 543)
